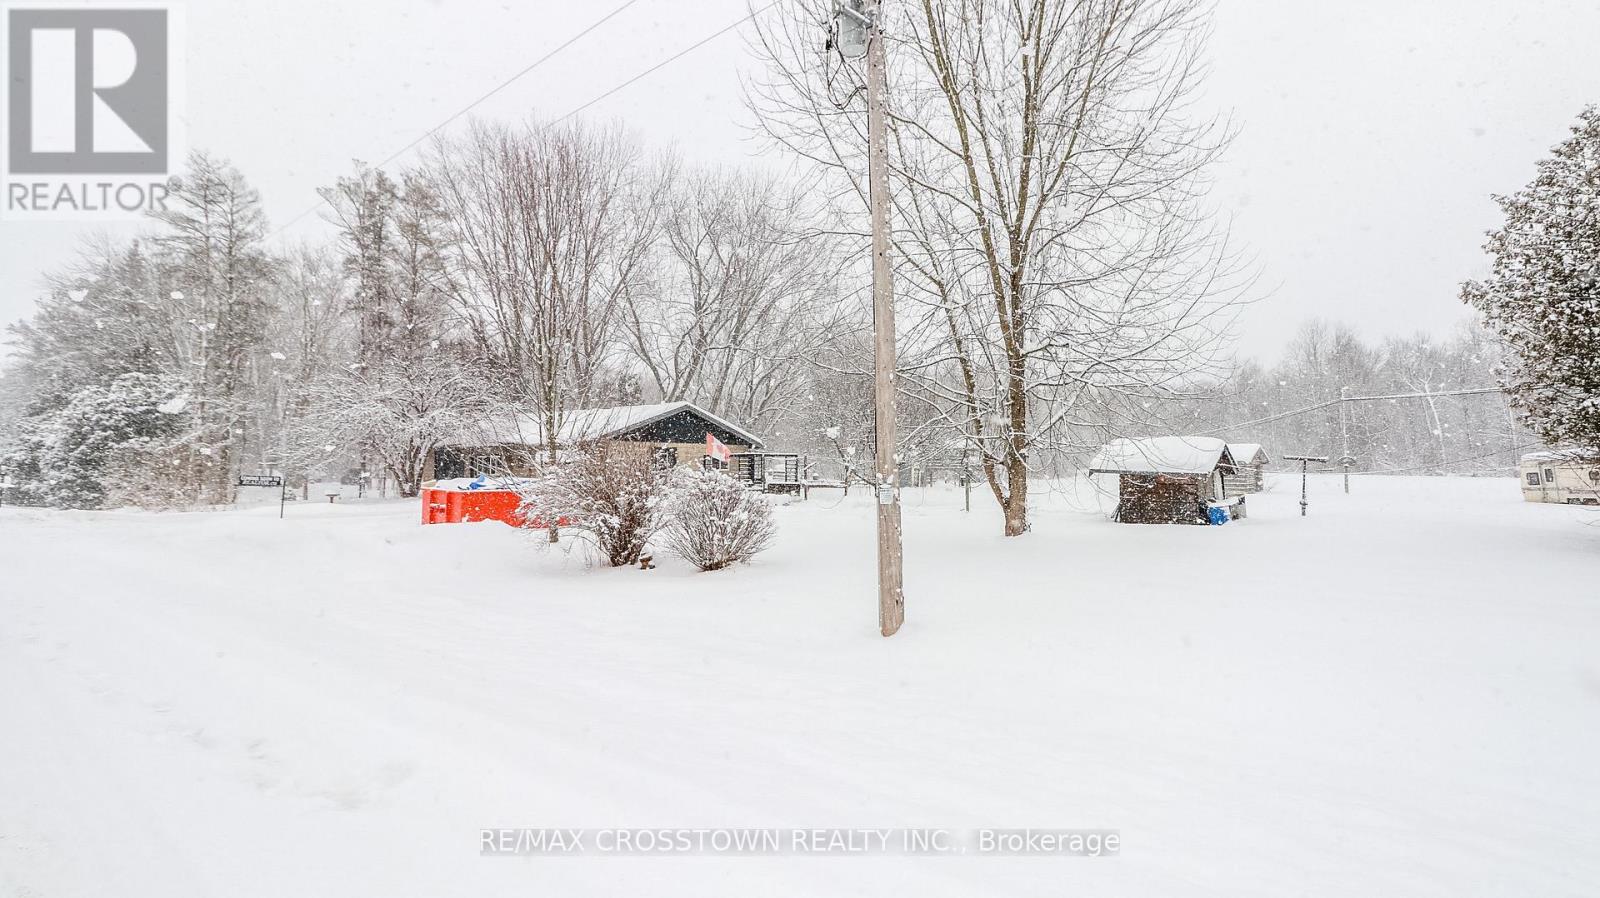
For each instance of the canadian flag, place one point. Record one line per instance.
(715, 449)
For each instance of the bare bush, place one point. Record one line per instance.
(715, 521)
(611, 495)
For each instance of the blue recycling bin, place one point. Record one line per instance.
(1217, 515)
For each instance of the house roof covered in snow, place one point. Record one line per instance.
(1161, 455)
(591, 424)
(1245, 453)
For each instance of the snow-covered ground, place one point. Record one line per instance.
(1399, 695)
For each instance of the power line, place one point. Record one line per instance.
(1475, 391)
(1446, 464)
(668, 61)
(478, 102)
(506, 83)
(503, 85)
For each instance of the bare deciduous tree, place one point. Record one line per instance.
(1053, 254)
(742, 297)
(546, 229)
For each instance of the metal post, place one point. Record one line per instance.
(1344, 435)
(1305, 463)
(891, 593)
(1303, 503)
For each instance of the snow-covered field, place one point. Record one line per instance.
(1399, 695)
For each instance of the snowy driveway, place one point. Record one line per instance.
(1399, 695)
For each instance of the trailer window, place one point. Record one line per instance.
(1594, 476)
(1549, 475)
(1533, 478)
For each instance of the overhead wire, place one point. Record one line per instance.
(535, 64)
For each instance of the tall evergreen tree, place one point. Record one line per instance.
(389, 233)
(215, 258)
(1543, 295)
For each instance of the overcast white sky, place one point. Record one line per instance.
(1372, 131)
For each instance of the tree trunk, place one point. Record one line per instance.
(1016, 505)
(552, 447)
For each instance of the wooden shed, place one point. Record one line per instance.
(1168, 480)
(674, 431)
(1250, 466)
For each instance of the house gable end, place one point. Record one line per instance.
(684, 426)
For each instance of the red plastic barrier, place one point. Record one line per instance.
(463, 506)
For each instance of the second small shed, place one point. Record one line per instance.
(1166, 480)
(1250, 469)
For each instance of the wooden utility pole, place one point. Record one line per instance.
(1345, 460)
(891, 594)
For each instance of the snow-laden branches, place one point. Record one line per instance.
(391, 412)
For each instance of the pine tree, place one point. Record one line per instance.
(212, 240)
(1543, 295)
(389, 233)
(117, 433)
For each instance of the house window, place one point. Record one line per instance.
(1594, 476)
(713, 464)
(1549, 475)
(1533, 478)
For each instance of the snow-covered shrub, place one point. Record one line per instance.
(613, 497)
(714, 521)
(72, 456)
(149, 473)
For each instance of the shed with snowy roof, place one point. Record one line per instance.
(1250, 469)
(1168, 480)
(675, 432)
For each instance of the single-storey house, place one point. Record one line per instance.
(674, 431)
(1168, 480)
(1250, 463)
(1566, 476)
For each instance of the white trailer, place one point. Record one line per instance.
(1564, 476)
